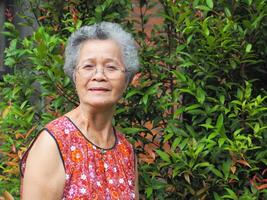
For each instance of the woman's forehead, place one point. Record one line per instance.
(104, 45)
(97, 48)
(100, 50)
(101, 58)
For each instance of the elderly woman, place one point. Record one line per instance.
(81, 155)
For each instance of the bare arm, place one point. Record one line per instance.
(44, 176)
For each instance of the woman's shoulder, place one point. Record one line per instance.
(57, 123)
(60, 125)
(122, 140)
(121, 136)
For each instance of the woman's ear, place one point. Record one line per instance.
(74, 78)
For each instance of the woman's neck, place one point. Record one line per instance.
(95, 124)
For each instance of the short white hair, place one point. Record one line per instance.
(102, 31)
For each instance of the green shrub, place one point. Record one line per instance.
(196, 114)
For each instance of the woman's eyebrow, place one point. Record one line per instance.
(106, 60)
(112, 60)
(87, 60)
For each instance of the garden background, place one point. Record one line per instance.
(196, 112)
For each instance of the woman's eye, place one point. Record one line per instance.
(111, 68)
(88, 67)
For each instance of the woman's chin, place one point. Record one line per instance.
(100, 104)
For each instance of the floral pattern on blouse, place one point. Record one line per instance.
(92, 173)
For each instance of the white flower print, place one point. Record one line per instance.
(130, 182)
(71, 192)
(105, 165)
(83, 190)
(98, 183)
(83, 177)
(67, 131)
(72, 148)
(67, 176)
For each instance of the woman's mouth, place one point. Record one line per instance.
(99, 89)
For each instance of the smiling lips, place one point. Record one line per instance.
(99, 89)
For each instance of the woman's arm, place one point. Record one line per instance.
(44, 176)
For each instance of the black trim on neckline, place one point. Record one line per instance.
(100, 148)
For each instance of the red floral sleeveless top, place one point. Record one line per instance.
(92, 172)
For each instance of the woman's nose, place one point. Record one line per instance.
(99, 74)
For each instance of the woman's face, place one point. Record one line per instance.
(97, 83)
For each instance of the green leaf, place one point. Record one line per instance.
(200, 95)
(227, 12)
(153, 89)
(133, 92)
(167, 137)
(164, 156)
(239, 94)
(231, 195)
(213, 135)
(66, 81)
(209, 3)
(226, 168)
(216, 196)
(9, 25)
(249, 2)
(149, 191)
(179, 75)
(205, 27)
(216, 172)
(256, 128)
(187, 64)
(132, 130)
(145, 99)
(221, 141)
(207, 126)
(192, 107)
(202, 164)
(248, 48)
(178, 112)
(205, 8)
(222, 99)
(219, 122)
(176, 142)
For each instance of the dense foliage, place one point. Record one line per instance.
(196, 112)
